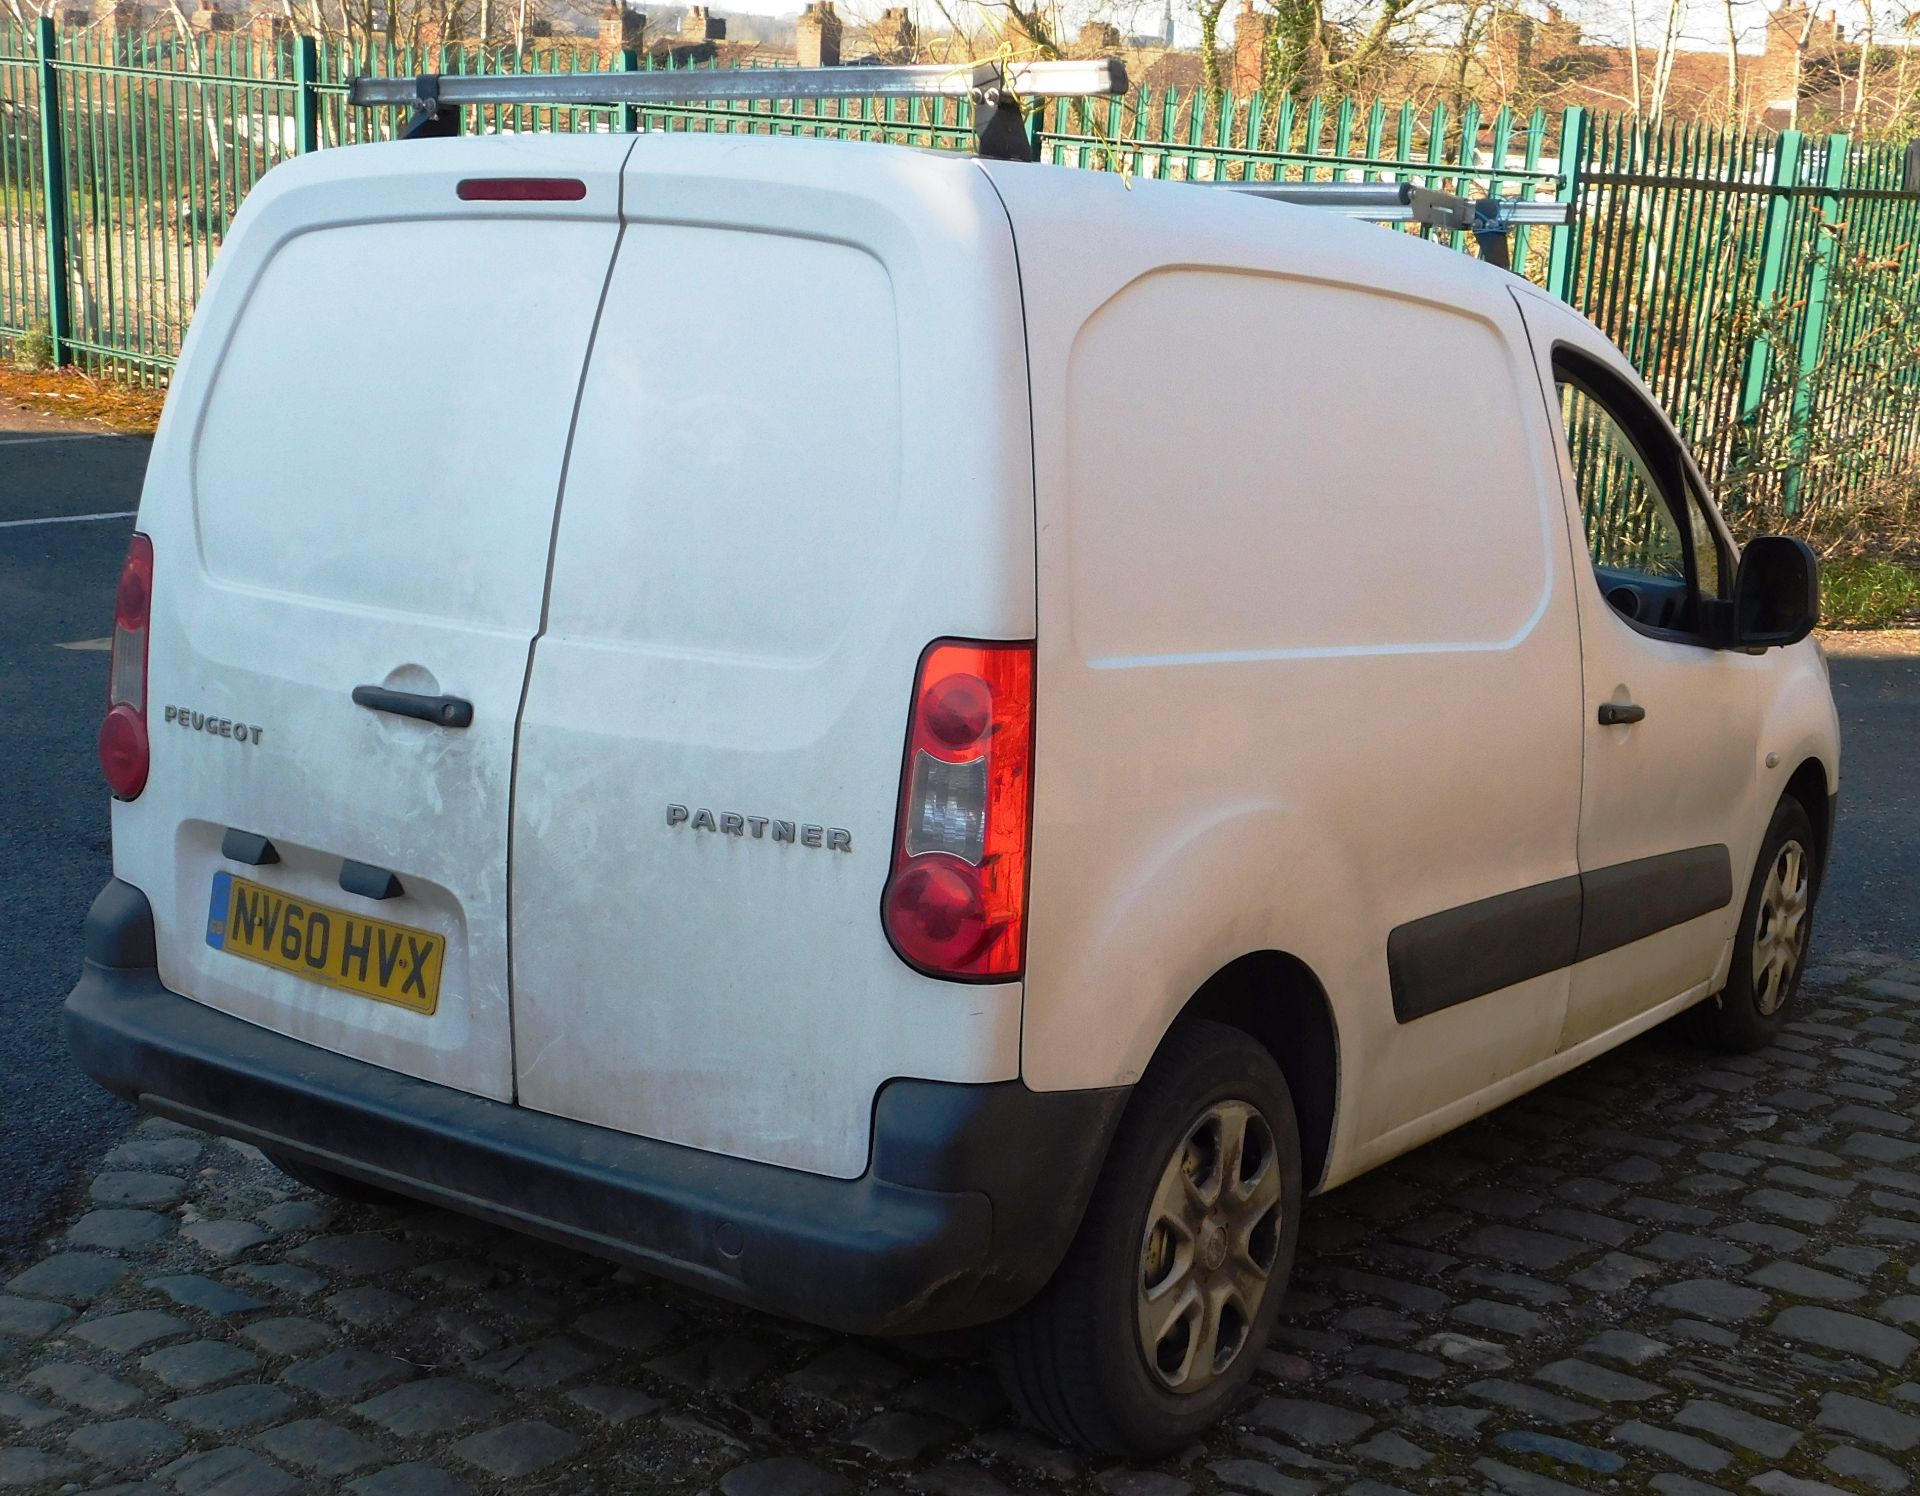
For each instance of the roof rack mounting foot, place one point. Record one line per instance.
(430, 118)
(1490, 233)
(1002, 133)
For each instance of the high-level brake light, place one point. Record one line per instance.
(956, 902)
(521, 190)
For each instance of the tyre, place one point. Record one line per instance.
(340, 1186)
(1150, 1329)
(1770, 948)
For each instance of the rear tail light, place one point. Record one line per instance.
(123, 736)
(956, 900)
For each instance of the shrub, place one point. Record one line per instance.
(34, 347)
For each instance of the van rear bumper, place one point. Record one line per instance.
(971, 1196)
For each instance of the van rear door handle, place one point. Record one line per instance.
(441, 711)
(1620, 713)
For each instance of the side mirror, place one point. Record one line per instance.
(1776, 593)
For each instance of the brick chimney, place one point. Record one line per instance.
(621, 29)
(895, 37)
(817, 36)
(1785, 24)
(1250, 30)
(208, 17)
(271, 26)
(124, 18)
(1510, 45)
(698, 25)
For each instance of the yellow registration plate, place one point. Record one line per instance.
(390, 963)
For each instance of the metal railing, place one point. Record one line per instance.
(1759, 281)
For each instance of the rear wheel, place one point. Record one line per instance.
(1769, 952)
(340, 1186)
(1149, 1331)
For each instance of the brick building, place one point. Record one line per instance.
(1546, 59)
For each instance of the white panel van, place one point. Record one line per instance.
(693, 695)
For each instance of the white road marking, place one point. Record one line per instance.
(65, 519)
(103, 645)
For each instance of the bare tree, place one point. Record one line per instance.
(1860, 78)
(1477, 20)
(1901, 111)
(1800, 45)
(1733, 65)
(1633, 53)
(1663, 61)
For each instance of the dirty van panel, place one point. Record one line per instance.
(777, 496)
(372, 486)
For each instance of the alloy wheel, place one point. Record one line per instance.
(1207, 1257)
(1780, 930)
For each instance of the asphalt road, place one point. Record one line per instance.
(1873, 887)
(56, 589)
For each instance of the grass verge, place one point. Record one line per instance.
(74, 396)
(1868, 592)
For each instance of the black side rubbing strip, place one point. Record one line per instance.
(1444, 959)
(1463, 953)
(1632, 900)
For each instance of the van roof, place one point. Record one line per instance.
(1223, 227)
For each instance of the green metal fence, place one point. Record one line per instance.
(1767, 286)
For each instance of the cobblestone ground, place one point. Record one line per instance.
(1670, 1272)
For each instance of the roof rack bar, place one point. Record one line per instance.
(1489, 220)
(437, 98)
(1403, 202)
(685, 85)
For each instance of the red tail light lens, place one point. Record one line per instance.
(956, 901)
(123, 736)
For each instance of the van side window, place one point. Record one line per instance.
(1654, 550)
(1706, 546)
(1629, 525)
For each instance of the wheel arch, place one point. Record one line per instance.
(1808, 784)
(1275, 997)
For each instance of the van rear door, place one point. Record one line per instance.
(355, 491)
(802, 455)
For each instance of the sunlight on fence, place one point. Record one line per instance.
(1763, 284)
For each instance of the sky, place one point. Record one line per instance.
(1605, 20)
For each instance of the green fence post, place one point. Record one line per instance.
(1563, 257)
(629, 62)
(306, 95)
(1832, 178)
(53, 166)
(1773, 263)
